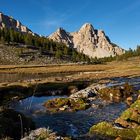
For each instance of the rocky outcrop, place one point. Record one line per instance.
(117, 93)
(88, 92)
(89, 41)
(11, 23)
(62, 36)
(66, 104)
(127, 126)
(106, 129)
(130, 118)
(44, 134)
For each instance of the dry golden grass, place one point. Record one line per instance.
(52, 68)
(113, 66)
(77, 72)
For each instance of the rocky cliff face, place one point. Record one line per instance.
(9, 22)
(89, 41)
(62, 36)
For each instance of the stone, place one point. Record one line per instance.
(139, 97)
(129, 100)
(62, 36)
(117, 93)
(89, 41)
(118, 138)
(108, 129)
(44, 134)
(130, 118)
(63, 108)
(66, 104)
(89, 92)
(9, 22)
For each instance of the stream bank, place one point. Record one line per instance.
(71, 124)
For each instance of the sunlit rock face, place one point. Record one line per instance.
(89, 41)
(11, 23)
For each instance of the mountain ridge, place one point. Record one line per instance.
(87, 40)
(90, 41)
(11, 23)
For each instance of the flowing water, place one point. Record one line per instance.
(68, 123)
(73, 123)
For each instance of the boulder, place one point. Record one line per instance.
(130, 118)
(66, 104)
(88, 92)
(129, 100)
(117, 93)
(44, 134)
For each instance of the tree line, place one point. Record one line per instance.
(43, 44)
(128, 54)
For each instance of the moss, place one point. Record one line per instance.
(138, 137)
(103, 128)
(43, 136)
(116, 94)
(67, 104)
(56, 103)
(131, 116)
(126, 114)
(136, 104)
(130, 120)
(78, 104)
(107, 129)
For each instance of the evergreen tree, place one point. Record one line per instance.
(58, 54)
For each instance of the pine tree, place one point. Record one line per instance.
(58, 54)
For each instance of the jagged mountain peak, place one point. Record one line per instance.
(60, 29)
(88, 40)
(61, 36)
(11, 23)
(101, 32)
(87, 26)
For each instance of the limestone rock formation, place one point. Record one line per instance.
(11, 23)
(62, 36)
(89, 41)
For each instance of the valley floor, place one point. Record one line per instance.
(23, 83)
(68, 72)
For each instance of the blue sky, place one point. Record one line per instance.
(120, 19)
